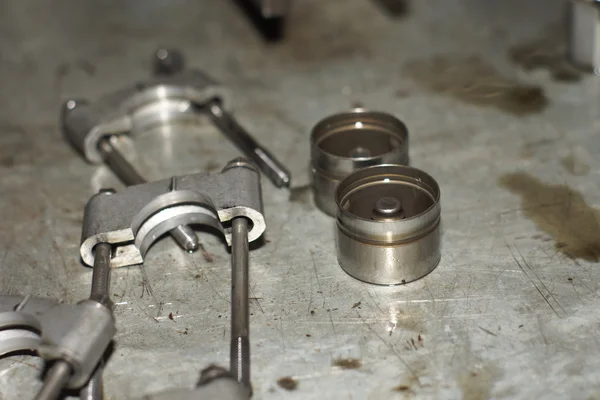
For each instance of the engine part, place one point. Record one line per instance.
(73, 336)
(584, 40)
(174, 95)
(131, 220)
(183, 235)
(215, 383)
(21, 322)
(77, 334)
(388, 224)
(343, 143)
(77, 340)
(240, 308)
(100, 292)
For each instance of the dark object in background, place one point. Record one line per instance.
(394, 8)
(267, 16)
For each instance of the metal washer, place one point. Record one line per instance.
(388, 224)
(345, 142)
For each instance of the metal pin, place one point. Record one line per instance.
(240, 320)
(183, 235)
(268, 164)
(56, 379)
(100, 292)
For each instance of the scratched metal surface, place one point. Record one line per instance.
(511, 311)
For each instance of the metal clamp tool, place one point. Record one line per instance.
(132, 219)
(174, 95)
(73, 337)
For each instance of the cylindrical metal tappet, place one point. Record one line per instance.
(388, 224)
(343, 143)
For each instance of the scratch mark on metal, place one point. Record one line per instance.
(487, 331)
(531, 279)
(391, 347)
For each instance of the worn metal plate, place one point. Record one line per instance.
(508, 131)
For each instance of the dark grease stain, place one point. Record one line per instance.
(546, 52)
(300, 194)
(287, 383)
(347, 363)
(471, 80)
(575, 166)
(394, 8)
(560, 212)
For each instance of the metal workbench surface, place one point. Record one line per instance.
(507, 129)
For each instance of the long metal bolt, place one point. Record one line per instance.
(183, 235)
(268, 164)
(240, 308)
(240, 322)
(100, 292)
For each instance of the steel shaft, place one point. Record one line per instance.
(94, 388)
(240, 322)
(268, 164)
(183, 235)
(100, 292)
(56, 379)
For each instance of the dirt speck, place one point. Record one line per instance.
(208, 256)
(308, 335)
(287, 383)
(171, 317)
(560, 212)
(401, 388)
(471, 80)
(357, 304)
(570, 279)
(575, 166)
(312, 312)
(300, 194)
(546, 52)
(347, 363)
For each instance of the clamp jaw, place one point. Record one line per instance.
(139, 107)
(131, 220)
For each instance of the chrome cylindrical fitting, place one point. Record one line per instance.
(388, 224)
(343, 143)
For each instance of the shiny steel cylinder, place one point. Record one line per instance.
(343, 143)
(388, 224)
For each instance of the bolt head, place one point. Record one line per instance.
(168, 61)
